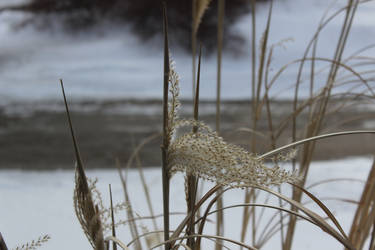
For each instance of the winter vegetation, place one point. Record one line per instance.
(275, 186)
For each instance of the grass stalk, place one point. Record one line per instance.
(184, 222)
(165, 145)
(132, 225)
(193, 43)
(147, 195)
(114, 246)
(272, 137)
(246, 211)
(220, 32)
(253, 51)
(372, 240)
(192, 181)
(256, 111)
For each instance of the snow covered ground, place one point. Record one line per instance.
(36, 203)
(117, 65)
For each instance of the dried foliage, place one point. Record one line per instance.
(202, 153)
(87, 212)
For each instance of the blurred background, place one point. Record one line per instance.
(109, 54)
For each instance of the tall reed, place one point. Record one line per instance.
(220, 34)
(165, 145)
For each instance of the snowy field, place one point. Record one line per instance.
(115, 64)
(36, 203)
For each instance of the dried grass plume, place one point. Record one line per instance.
(206, 155)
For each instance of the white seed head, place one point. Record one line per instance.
(206, 155)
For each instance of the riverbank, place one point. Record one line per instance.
(36, 136)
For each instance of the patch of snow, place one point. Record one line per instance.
(34, 203)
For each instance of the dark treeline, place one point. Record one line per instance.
(143, 16)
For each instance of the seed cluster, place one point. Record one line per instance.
(207, 156)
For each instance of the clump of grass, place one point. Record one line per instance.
(202, 154)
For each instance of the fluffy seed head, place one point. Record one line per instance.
(208, 156)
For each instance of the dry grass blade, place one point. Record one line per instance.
(220, 31)
(147, 195)
(372, 241)
(324, 208)
(333, 180)
(253, 51)
(261, 205)
(135, 155)
(87, 213)
(116, 242)
(3, 246)
(256, 110)
(365, 214)
(196, 99)
(184, 222)
(320, 222)
(200, 9)
(114, 246)
(145, 234)
(150, 217)
(315, 138)
(129, 211)
(208, 237)
(140, 146)
(203, 219)
(320, 59)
